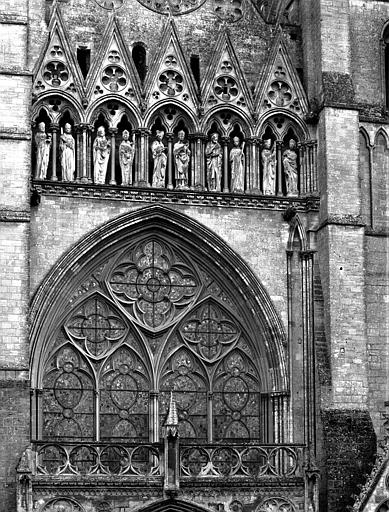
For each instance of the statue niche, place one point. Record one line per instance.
(213, 155)
(43, 145)
(182, 154)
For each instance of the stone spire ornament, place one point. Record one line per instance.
(171, 423)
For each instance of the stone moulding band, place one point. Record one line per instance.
(195, 198)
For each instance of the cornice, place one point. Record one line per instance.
(193, 198)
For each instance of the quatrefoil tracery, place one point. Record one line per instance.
(114, 78)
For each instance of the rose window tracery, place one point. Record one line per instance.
(226, 88)
(280, 93)
(62, 505)
(109, 4)
(153, 284)
(55, 73)
(114, 78)
(170, 83)
(210, 332)
(229, 10)
(96, 326)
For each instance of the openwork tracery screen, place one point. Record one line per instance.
(148, 322)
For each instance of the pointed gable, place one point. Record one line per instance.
(113, 71)
(57, 68)
(170, 76)
(224, 83)
(280, 86)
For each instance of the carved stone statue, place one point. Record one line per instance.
(43, 144)
(160, 159)
(269, 168)
(289, 159)
(237, 166)
(68, 156)
(181, 154)
(126, 157)
(101, 152)
(213, 154)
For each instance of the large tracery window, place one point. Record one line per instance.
(154, 323)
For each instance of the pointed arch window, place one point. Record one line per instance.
(385, 42)
(153, 323)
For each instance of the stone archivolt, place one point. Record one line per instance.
(113, 100)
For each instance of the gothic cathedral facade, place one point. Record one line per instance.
(194, 221)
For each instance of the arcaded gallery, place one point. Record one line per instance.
(194, 221)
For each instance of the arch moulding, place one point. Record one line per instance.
(257, 311)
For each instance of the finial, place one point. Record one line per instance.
(171, 423)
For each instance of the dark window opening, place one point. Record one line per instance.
(83, 58)
(139, 58)
(195, 67)
(386, 41)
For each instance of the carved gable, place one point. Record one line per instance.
(57, 69)
(280, 86)
(113, 71)
(170, 76)
(224, 82)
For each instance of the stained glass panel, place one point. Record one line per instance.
(124, 398)
(183, 376)
(68, 398)
(236, 400)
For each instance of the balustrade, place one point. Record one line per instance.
(233, 460)
(267, 167)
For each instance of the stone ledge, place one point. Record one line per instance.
(14, 216)
(194, 198)
(342, 220)
(15, 134)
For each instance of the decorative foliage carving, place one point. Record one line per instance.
(209, 331)
(276, 505)
(62, 505)
(154, 283)
(95, 326)
(229, 11)
(172, 7)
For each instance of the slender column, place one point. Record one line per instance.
(54, 128)
(198, 161)
(113, 132)
(310, 167)
(191, 173)
(314, 168)
(154, 416)
(89, 152)
(210, 417)
(279, 167)
(256, 169)
(78, 152)
(303, 187)
(225, 141)
(309, 348)
(83, 153)
(170, 137)
(97, 414)
(137, 155)
(143, 174)
(371, 162)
